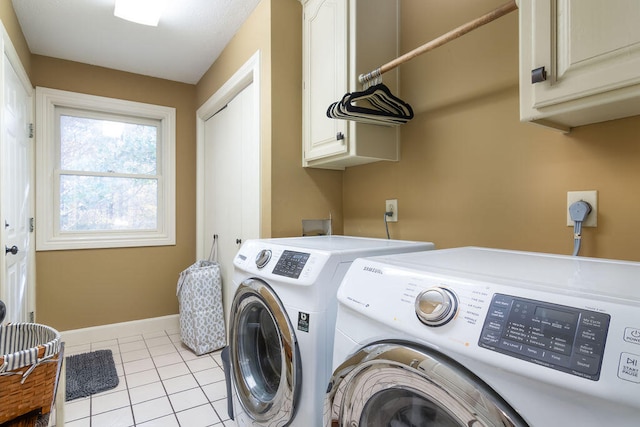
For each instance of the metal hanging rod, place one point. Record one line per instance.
(445, 38)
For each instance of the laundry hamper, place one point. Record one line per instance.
(29, 361)
(200, 297)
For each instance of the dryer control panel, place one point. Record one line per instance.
(291, 264)
(565, 338)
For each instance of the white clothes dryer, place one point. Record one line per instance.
(482, 337)
(283, 322)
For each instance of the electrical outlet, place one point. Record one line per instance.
(590, 197)
(391, 206)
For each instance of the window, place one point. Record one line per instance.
(105, 172)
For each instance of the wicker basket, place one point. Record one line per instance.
(29, 358)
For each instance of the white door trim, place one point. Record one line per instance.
(246, 74)
(8, 51)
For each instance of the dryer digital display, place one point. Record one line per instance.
(559, 337)
(291, 264)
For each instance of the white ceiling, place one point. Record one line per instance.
(190, 37)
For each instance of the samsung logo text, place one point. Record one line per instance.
(372, 270)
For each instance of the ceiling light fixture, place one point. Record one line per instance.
(145, 12)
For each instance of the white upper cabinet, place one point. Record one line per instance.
(590, 51)
(341, 40)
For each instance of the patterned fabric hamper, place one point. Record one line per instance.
(29, 367)
(201, 314)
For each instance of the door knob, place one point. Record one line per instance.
(3, 311)
(12, 250)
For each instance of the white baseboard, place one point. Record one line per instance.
(73, 337)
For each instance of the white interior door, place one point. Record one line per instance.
(231, 182)
(17, 290)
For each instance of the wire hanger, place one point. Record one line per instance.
(376, 104)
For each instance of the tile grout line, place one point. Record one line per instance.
(126, 383)
(199, 386)
(202, 390)
(131, 404)
(166, 392)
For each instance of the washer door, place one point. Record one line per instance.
(266, 364)
(394, 384)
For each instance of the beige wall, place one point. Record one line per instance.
(289, 192)
(471, 173)
(84, 288)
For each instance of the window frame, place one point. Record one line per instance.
(48, 234)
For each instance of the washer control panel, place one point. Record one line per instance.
(564, 338)
(291, 264)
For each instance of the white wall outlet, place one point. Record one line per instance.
(391, 206)
(590, 197)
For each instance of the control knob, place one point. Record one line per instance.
(436, 306)
(263, 258)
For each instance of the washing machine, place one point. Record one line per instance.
(483, 337)
(282, 324)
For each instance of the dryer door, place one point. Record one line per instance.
(264, 354)
(396, 384)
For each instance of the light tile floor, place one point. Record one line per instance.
(162, 383)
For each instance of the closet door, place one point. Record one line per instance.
(231, 182)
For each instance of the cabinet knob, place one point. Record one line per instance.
(238, 241)
(538, 75)
(339, 136)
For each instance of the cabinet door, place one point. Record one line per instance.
(324, 77)
(588, 47)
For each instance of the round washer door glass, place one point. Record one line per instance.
(260, 351)
(404, 408)
(390, 384)
(264, 354)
